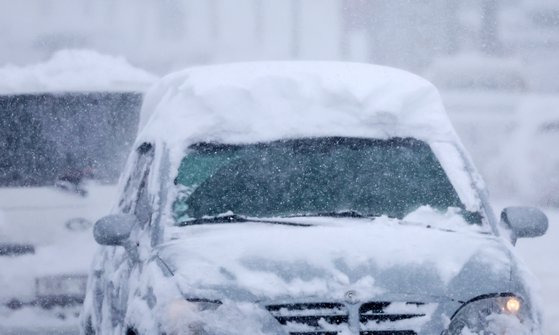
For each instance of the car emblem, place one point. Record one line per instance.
(351, 297)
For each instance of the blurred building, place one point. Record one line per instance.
(163, 35)
(531, 30)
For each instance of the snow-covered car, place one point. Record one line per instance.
(305, 198)
(66, 127)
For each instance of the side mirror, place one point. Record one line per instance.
(524, 222)
(114, 229)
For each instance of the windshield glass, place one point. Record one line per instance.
(47, 136)
(315, 176)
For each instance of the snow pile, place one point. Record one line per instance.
(74, 71)
(451, 219)
(72, 256)
(56, 320)
(266, 101)
(545, 269)
(39, 216)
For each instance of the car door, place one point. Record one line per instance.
(112, 273)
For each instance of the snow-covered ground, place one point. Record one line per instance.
(540, 256)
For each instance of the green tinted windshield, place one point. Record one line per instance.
(311, 176)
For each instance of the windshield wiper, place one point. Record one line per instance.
(229, 218)
(234, 218)
(334, 214)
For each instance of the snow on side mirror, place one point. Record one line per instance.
(114, 230)
(524, 222)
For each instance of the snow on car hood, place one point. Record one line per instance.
(75, 71)
(266, 261)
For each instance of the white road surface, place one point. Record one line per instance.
(542, 257)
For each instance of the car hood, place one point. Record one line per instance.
(373, 258)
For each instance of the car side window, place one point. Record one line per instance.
(135, 196)
(142, 209)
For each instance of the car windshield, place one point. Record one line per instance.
(314, 176)
(48, 136)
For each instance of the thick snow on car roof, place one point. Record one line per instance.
(253, 102)
(75, 71)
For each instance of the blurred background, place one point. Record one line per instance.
(495, 62)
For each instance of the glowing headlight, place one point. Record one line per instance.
(512, 305)
(491, 315)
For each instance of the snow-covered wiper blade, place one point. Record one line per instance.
(228, 218)
(335, 214)
(234, 218)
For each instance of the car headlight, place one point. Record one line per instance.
(500, 314)
(184, 314)
(179, 308)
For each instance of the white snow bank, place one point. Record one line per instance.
(266, 101)
(73, 71)
(71, 257)
(538, 254)
(35, 320)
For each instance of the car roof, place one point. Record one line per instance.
(263, 101)
(75, 71)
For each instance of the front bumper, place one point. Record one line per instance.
(402, 316)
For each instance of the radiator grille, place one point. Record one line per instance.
(392, 318)
(388, 332)
(311, 318)
(371, 318)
